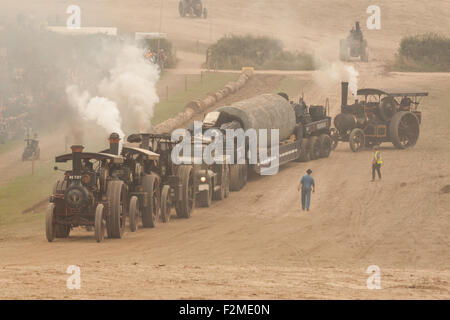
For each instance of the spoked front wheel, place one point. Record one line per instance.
(100, 223)
(134, 213)
(356, 140)
(165, 203)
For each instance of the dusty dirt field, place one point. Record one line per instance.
(258, 243)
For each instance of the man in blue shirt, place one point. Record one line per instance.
(306, 184)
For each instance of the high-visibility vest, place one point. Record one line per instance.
(376, 159)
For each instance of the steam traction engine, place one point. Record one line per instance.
(87, 196)
(192, 8)
(354, 45)
(138, 172)
(177, 184)
(378, 116)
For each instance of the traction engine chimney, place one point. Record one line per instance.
(344, 94)
(76, 159)
(114, 140)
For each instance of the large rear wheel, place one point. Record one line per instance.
(117, 197)
(134, 213)
(50, 230)
(185, 206)
(325, 145)
(165, 203)
(404, 130)
(150, 184)
(314, 148)
(99, 223)
(235, 177)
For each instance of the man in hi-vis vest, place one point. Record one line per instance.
(376, 163)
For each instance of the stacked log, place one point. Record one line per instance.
(198, 105)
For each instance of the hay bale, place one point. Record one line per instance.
(196, 105)
(219, 95)
(189, 113)
(225, 92)
(244, 77)
(209, 102)
(240, 83)
(232, 87)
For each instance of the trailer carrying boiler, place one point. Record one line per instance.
(297, 139)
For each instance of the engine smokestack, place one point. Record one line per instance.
(145, 141)
(114, 140)
(344, 94)
(76, 159)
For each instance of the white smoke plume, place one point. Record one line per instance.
(99, 109)
(125, 97)
(132, 85)
(352, 79)
(330, 76)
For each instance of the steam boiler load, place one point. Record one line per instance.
(379, 115)
(138, 172)
(87, 196)
(297, 141)
(266, 111)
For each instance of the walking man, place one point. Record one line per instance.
(306, 184)
(376, 163)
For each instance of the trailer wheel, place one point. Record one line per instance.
(334, 138)
(187, 203)
(227, 181)
(165, 203)
(150, 212)
(244, 174)
(99, 223)
(404, 130)
(314, 148)
(356, 140)
(134, 213)
(235, 179)
(117, 197)
(50, 230)
(304, 151)
(325, 145)
(220, 194)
